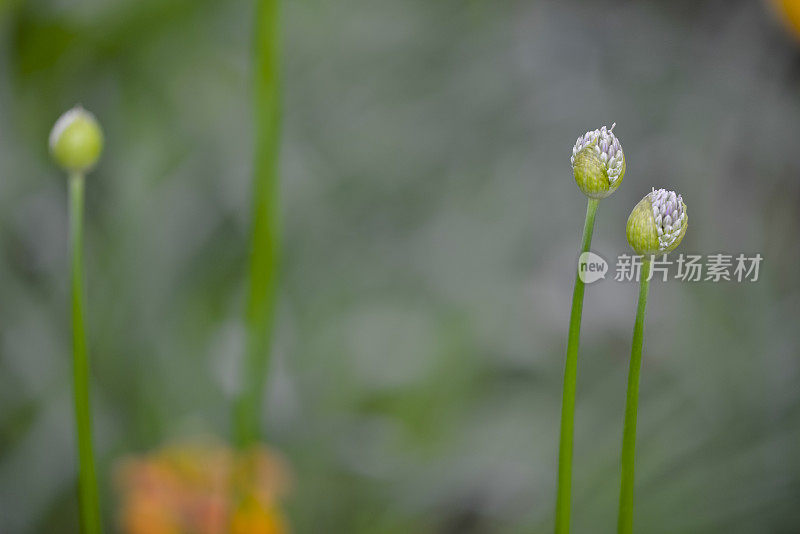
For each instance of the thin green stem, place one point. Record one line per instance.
(264, 246)
(570, 379)
(87, 480)
(625, 523)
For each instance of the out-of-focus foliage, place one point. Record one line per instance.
(430, 225)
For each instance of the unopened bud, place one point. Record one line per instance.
(76, 140)
(658, 223)
(598, 162)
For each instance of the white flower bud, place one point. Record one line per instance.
(598, 162)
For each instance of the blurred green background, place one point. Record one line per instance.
(430, 225)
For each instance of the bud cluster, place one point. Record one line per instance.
(658, 222)
(668, 214)
(598, 162)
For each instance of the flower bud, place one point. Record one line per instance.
(658, 223)
(598, 162)
(76, 140)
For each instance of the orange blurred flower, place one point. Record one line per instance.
(252, 517)
(789, 13)
(202, 489)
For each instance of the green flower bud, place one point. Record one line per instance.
(658, 223)
(598, 162)
(76, 140)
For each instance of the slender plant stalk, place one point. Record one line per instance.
(570, 378)
(89, 502)
(625, 524)
(264, 246)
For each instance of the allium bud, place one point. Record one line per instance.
(658, 223)
(76, 140)
(598, 162)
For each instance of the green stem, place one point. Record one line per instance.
(264, 246)
(625, 523)
(570, 378)
(88, 498)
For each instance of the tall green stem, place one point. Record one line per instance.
(570, 378)
(264, 246)
(625, 523)
(89, 502)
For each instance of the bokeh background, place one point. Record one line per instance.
(430, 226)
